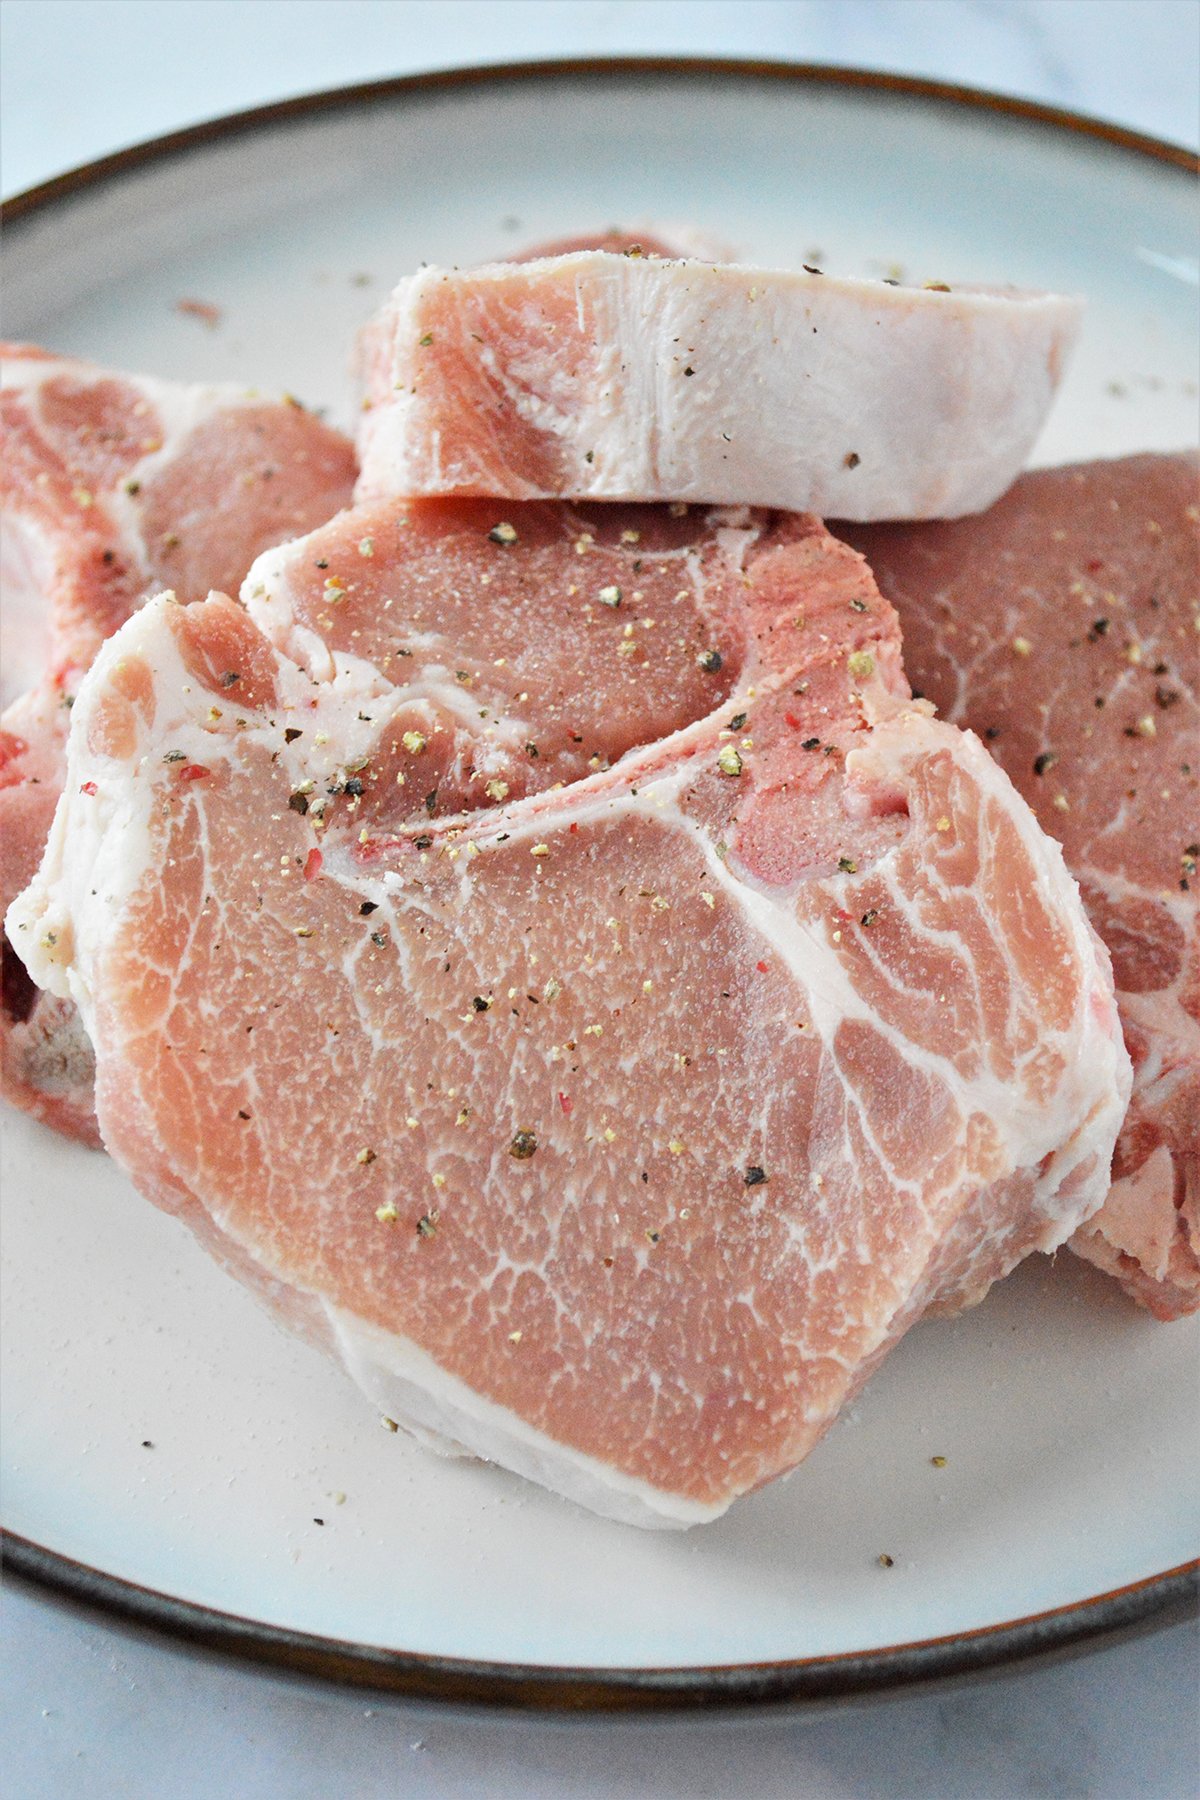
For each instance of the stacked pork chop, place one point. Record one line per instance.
(540, 944)
(113, 487)
(1061, 626)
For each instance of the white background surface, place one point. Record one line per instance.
(89, 1711)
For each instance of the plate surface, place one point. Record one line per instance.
(156, 1426)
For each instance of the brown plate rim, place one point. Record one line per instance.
(1099, 1619)
(1123, 1612)
(368, 93)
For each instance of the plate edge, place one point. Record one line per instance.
(368, 93)
(1092, 1623)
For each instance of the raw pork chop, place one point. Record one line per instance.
(615, 1126)
(643, 378)
(119, 485)
(114, 486)
(1062, 627)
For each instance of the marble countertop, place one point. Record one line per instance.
(90, 1710)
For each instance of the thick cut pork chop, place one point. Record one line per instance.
(113, 486)
(614, 1131)
(1062, 626)
(621, 377)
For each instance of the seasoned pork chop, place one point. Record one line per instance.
(1061, 626)
(613, 1127)
(626, 377)
(114, 486)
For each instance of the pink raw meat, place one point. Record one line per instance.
(614, 1126)
(114, 486)
(1061, 626)
(612, 376)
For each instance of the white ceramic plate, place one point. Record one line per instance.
(166, 1449)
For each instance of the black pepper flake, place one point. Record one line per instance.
(318, 1521)
(427, 1225)
(886, 1561)
(710, 661)
(380, 938)
(689, 370)
(1098, 629)
(523, 1145)
(991, 733)
(430, 802)
(322, 562)
(737, 721)
(851, 460)
(870, 916)
(858, 606)
(108, 557)
(230, 678)
(809, 269)
(291, 733)
(847, 865)
(354, 787)
(480, 1004)
(532, 750)
(754, 1176)
(1166, 696)
(368, 907)
(1045, 761)
(810, 744)
(298, 803)
(423, 842)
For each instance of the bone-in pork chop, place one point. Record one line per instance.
(622, 377)
(615, 1126)
(1061, 626)
(114, 486)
